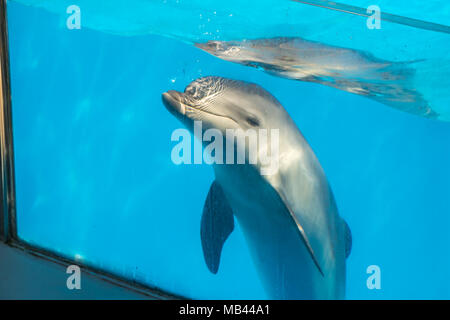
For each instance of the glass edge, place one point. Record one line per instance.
(117, 280)
(7, 196)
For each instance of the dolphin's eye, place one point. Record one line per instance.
(254, 122)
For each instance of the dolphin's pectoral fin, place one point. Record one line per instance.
(216, 225)
(348, 239)
(302, 234)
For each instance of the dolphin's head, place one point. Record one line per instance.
(244, 52)
(222, 104)
(228, 50)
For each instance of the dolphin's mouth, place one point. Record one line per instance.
(173, 100)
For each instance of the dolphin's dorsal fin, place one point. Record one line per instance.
(216, 225)
(348, 239)
(302, 233)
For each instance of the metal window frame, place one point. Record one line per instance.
(8, 226)
(7, 195)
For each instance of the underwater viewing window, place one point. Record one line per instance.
(96, 96)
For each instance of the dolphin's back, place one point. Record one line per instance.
(296, 210)
(305, 191)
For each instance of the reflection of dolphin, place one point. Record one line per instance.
(345, 69)
(204, 20)
(289, 218)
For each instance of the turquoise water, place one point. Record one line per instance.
(95, 182)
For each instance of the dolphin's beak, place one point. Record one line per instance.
(212, 47)
(204, 46)
(173, 101)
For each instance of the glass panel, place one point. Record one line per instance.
(94, 176)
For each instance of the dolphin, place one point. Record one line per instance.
(289, 218)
